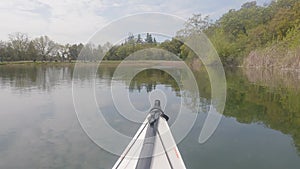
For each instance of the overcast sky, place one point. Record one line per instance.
(73, 21)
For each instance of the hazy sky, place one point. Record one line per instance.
(72, 21)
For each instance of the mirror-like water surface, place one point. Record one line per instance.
(39, 128)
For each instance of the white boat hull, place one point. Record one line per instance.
(165, 152)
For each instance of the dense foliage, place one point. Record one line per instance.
(252, 27)
(134, 44)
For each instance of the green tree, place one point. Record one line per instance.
(19, 43)
(32, 52)
(172, 46)
(197, 23)
(139, 39)
(45, 47)
(75, 50)
(148, 38)
(154, 41)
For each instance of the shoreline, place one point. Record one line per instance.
(140, 62)
(109, 62)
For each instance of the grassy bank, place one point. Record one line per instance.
(53, 63)
(277, 56)
(16, 62)
(104, 62)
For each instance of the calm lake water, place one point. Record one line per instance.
(260, 127)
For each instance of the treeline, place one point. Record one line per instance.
(252, 27)
(21, 48)
(234, 35)
(137, 43)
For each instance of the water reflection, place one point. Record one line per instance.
(38, 77)
(271, 98)
(273, 77)
(39, 129)
(150, 79)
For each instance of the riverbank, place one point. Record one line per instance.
(105, 62)
(16, 62)
(276, 56)
(53, 63)
(32, 62)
